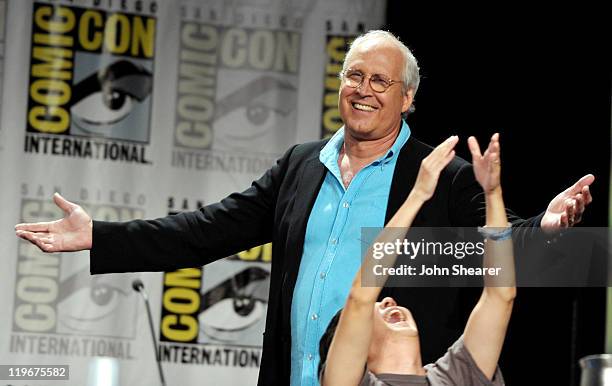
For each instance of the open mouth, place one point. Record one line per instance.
(363, 107)
(394, 316)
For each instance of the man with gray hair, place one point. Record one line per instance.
(312, 205)
(410, 73)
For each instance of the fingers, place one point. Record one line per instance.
(579, 205)
(474, 148)
(449, 157)
(570, 211)
(432, 165)
(448, 144)
(42, 240)
(563, 221)
(492, 155)
(61, 202)
(584, 181)
(33, 227)
(444, 153)
(579, 197)
(493, 144)
(581, 200)
(586, 193)
(64, 204)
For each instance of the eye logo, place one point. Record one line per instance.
(237, 89)
(224, 303)
(91, 83)
(108, 96)
(96, 305)
(255, 110)
(235, 305)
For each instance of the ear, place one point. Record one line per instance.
(407, 99)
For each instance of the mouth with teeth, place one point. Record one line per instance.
(395, 316)
(363, 107)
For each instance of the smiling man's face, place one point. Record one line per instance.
(368, 115)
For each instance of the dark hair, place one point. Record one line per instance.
(326, 340)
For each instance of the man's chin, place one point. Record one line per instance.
(360, 129)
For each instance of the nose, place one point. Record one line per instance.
(387, 302)
(364, 88)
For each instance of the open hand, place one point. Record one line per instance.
(432, 165)
(566, 209)
(487, 166)
(71, 233)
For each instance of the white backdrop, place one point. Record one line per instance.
(137, 109)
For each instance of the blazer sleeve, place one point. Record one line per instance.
(238, 222)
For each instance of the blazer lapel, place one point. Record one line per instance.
(404, 177)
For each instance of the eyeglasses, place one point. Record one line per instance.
(378, 83)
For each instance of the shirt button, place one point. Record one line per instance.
(345, 204)
(315, 316)
(309, 357)
(322, 275)
(334, 241)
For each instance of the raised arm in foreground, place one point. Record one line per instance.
(486, 327)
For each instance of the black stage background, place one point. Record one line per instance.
(542, 78)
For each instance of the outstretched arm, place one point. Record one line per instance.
(348, 352)
(486, 328)
(188, 239)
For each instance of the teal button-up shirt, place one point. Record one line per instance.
(332, 248)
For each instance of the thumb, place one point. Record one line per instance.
(64, 204)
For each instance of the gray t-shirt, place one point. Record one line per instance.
(456, 367)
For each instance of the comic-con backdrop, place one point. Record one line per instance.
(139, 109)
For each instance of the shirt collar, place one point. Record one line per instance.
(331, 151)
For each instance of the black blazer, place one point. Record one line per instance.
(276, 208)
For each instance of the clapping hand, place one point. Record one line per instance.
(487, 166)
(432, 165)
